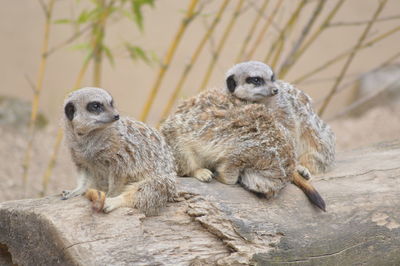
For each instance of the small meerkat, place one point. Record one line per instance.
(128, 160)
(255, 82)
(217, 134)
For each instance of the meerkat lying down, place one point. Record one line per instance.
(218, 134)
(255, 82)
(128, 160)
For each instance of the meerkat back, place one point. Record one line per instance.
(255, 82)
(215, 134)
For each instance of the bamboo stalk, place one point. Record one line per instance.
(359, 23)
(264, 29)
(280, 41)
(353, 82)
(390, 60)
(69, 40)
(317, 33)
(37, 90)
(251, 31)
(57, 144)
(221, 45)
(168, 58)
(95, 42)
(290, 57)
(363, 100)
(98, 33)
(350, 58)
(345, 53)
(52, 163)
(193, 60)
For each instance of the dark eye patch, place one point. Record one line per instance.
(95, 107)
(273, 78)
(69, 110)
(258, 81)
(231, 83)
(112, 103)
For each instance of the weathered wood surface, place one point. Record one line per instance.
(219, 224)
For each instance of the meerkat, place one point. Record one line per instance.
(218, 134)
(255, 82)
(128, 160)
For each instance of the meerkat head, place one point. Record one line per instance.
(89, 109)
(252, 81)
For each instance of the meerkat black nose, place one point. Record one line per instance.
(116, 117)
(275, 91)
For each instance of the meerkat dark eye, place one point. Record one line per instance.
(112, 103)
(273, 78)
(95, 107)
(257, 81)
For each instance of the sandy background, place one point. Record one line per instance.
(21, 37)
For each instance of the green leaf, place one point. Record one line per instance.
(127, 14)
(86, 16)
(109, 55)
(154, 57)
(137, 53)
(62, 21)
(81, 46)
(83, 17)
(136, 8)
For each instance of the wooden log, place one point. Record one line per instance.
(213, 223)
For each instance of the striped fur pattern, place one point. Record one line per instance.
(314, 139)
(128, 160)
(218, 135)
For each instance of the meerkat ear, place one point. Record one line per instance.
(231, 83)
(69, 110)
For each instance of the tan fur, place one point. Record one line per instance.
(128, 160)
(314, 139)
(236, 140)
(97, 198)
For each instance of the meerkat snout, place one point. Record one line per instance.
(275, 91)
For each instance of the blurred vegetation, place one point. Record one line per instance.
(289, 38)
(90, 24)
(15, 113)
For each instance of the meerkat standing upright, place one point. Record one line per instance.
(255, 82)
(127, 159)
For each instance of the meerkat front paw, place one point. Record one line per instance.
(304, 172)
(111, 204)
(203, 175)
(67, 194)
(97, 198)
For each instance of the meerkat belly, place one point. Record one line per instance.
(103, 169)
(300, 144)
(98, 175)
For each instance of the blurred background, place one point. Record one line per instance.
(150, 54)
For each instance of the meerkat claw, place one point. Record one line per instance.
(65, 194)
(111, 204)
(203, 175)
(304, 172)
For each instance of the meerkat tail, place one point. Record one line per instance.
(311, 193)
(97, 198)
